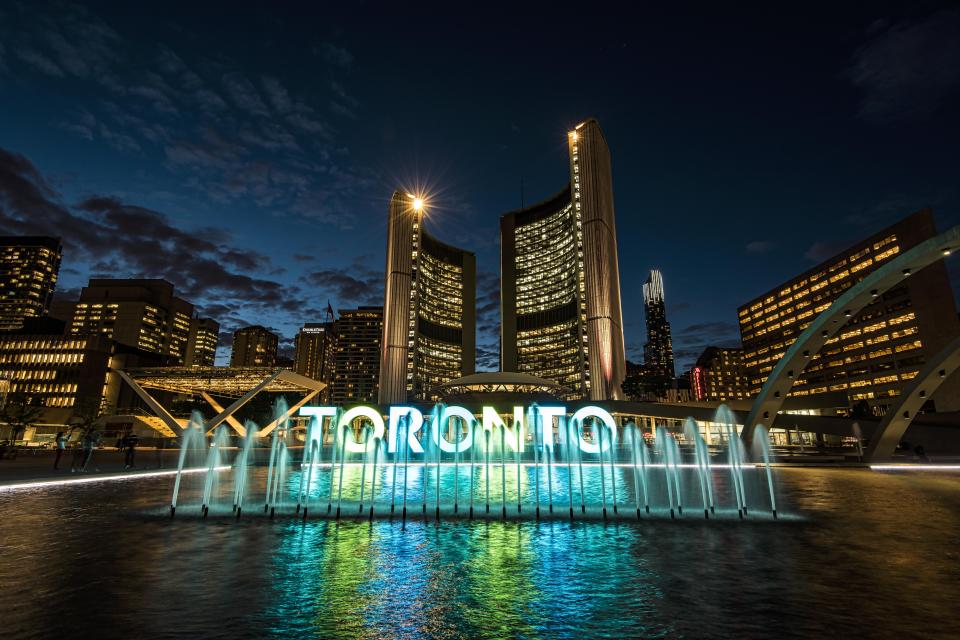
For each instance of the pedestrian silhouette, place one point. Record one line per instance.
(60, 442)
(130, 442)
(90, 441)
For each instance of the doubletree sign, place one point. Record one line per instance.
(410, 420)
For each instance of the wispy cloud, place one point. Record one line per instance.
(759, 246)
(908, 69)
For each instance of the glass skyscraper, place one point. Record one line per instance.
(560, 280)
(658, 350)
(429, 315)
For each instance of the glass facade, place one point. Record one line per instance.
(429, 322)
(878, 349)
(560, 283)
(549, 282)
(29, 267)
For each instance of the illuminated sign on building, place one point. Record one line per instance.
(409, 421)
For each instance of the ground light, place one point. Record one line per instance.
(915, 467)
(125, 476)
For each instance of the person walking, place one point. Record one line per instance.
(130, 442)
(90, 441)
(60, 442)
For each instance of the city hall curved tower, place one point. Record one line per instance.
(429, 309)
(560, 280)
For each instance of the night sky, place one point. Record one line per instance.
(248, 154)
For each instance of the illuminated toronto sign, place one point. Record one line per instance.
(410, 424)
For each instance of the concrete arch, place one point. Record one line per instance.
(829, 322)
(883, 442)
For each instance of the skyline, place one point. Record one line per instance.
(118, 130)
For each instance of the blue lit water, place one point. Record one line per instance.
(865, 555)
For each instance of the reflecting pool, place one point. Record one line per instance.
(866, 554)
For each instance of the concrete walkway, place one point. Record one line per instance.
(36, 464)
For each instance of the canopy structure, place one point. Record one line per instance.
(242, 383)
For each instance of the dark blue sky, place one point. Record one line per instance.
(248, 153)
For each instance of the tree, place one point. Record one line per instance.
(86, 415)
(18, 413)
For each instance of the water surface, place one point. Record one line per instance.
(873, 555)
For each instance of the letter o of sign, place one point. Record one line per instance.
(349, 416)
(593, 412)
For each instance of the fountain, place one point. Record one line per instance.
(620, 471)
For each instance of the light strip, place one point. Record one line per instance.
(622, 465)
(124, 476)
(915, 467)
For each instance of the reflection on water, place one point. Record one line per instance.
(874, 556)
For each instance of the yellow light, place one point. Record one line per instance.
(573, 136)
(418, 204)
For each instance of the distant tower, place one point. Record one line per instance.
(560, 279)
(658, 351)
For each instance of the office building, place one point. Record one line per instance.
(879, 349)
(202, 343)
(315, 351)
(356, 366)
(658, 350)
(254, 346)
(29, 266)
(560, 282)
(140, 313)
(430, 308)
(66, 373)
(719, 376)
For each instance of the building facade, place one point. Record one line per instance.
(719, 376)
(68, 374)
(315, 351)
(880, 348)
(356, 367)
(140, 313)
(430, 308)
(658, 350)
(29, 266)
(254, 346)
(560, 281)
(202, 343)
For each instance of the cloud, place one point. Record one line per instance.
(690, 341)
(759, 246)
(231, 137)
(40, 62)
(353, 285)
(125, 240)
(707, 332)
(337, 56)
(243, 94)
(820, 251)
(909, 69)
(277, 94)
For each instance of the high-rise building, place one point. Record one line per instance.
(29, 266)
(139, 313)
(202, 345)
(878, 349)
(254, 346)
(658, 350)
(430, 308)
(560, 280)
(315, 350)
(357, 362)
(719, 375)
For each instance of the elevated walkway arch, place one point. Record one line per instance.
(884, 441)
